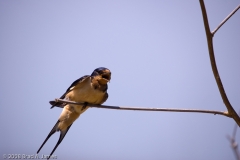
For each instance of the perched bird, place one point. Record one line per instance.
(87, 89)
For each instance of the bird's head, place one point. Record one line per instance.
(102, 74)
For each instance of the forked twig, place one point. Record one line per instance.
(209, 35)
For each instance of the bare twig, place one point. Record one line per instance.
(234, 146)
(225, 20)
(146, 109)
(233, 142)
(209, 35)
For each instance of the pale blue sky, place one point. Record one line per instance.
(157, 52)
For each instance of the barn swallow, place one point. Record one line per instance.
(90, 89)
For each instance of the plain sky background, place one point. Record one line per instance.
(157, 53)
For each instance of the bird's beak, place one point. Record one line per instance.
(103, 81)
(105, 78)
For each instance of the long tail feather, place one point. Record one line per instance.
(54, 129)
(62, 135)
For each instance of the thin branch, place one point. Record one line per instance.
(229, 107)
(233, 142)
(234, 146)
(146, 109)
(225, 20)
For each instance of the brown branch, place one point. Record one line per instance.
(225, 20)
(145, 109)
(209, 35)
